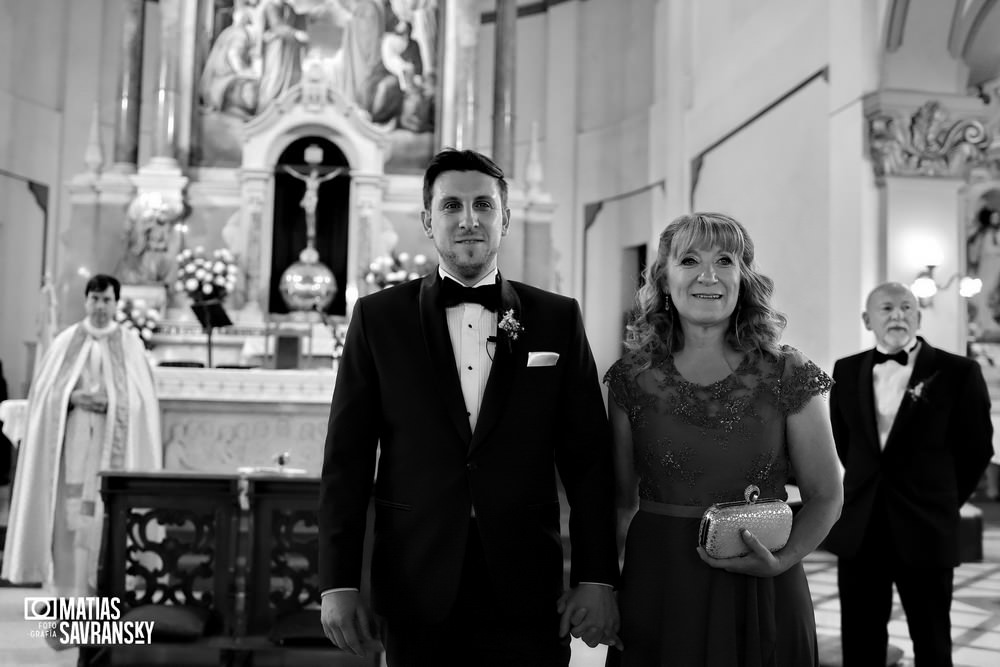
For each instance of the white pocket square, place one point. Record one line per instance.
(542, 358)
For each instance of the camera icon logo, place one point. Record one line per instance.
(40, 608)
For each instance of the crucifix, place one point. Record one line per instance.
(312, 179)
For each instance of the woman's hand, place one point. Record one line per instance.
(758, 563)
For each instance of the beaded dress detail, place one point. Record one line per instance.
(700, 444)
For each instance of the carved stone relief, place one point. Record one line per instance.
(925, 143)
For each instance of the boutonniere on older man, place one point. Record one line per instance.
(918, 392)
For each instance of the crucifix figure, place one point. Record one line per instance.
(313, 156)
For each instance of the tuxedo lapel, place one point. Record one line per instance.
(922, 371)
(438, 343)
(866, 400)
(509, 354)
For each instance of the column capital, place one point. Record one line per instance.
(911, 134)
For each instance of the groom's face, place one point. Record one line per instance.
(466, 221)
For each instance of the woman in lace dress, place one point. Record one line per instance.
(704, 403)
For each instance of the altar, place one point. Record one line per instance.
(222, 419)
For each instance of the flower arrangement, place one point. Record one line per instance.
(205, 277)
(137, 316)
(393, 269)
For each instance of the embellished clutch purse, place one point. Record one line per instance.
(769, 519)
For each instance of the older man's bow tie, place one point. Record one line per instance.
(900, 357)
(454, 293)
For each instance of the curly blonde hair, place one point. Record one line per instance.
(654, 332)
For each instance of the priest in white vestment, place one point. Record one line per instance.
(92, 406)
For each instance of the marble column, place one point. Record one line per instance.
(505, 41)
(129, 88)
(165, 138)
(458, 74)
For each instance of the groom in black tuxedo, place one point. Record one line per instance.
(474, 389)
(913, 430)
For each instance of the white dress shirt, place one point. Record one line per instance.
(470, 326)
(889, 380)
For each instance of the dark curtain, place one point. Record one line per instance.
(332, 216)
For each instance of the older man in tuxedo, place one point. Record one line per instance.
(912, 428)
(475, 389)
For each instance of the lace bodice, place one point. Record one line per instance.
(700, 444)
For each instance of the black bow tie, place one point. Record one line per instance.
(454, 293)
(900, 357)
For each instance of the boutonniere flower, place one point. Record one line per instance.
(510, 326)
(918, 392)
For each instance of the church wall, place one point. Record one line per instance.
(784, 208)
(32, 56)
(593, 109)
(746, 55)
(615, 102)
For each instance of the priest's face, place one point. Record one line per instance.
(466, 221)
(100, 307)
(893, 315)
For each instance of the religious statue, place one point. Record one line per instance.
(357, 64)
(148, 258)
(309, 284)
(283, 43)
(230, 78)
(311, 198)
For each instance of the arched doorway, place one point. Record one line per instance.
(332, 217)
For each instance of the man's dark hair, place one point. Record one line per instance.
(101, 282)
(451, 159)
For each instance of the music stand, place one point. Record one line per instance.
(211, 314)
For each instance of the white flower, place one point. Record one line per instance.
(218, 267)
(191, 285)
(146, 334)
(189, 267)
(510, 324)
(207, 288)
(179, 286)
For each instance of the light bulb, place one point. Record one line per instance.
(924, 287)
(969, 286)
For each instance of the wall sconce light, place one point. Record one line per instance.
(925, 287)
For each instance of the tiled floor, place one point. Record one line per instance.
(975, 614)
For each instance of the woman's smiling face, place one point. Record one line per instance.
(704, 285)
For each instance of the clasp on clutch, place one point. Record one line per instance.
(751, 494)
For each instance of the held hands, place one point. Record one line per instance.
(348, 623)
(590, 613)
(758, 563)
(96, 401)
